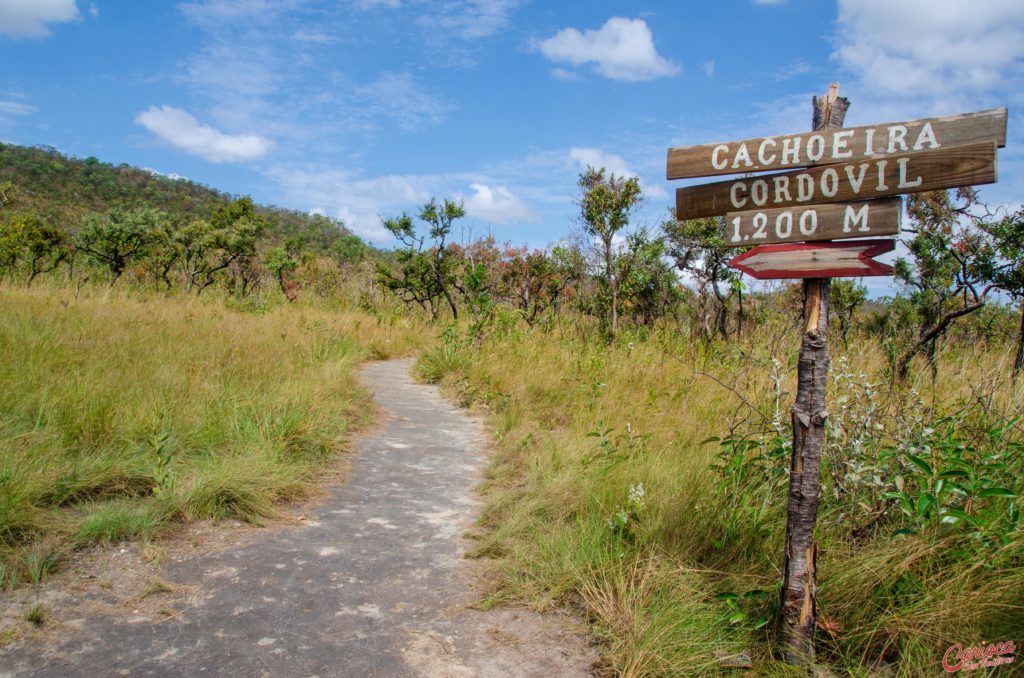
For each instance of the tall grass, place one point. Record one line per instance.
(604, 493)
(123, 413)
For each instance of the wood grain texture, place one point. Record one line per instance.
(869, 142)
(969, 165)
(813, 223)
(798, 598)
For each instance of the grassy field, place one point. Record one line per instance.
(606, 493)
(123, 414)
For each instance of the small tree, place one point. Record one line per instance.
(530, 282)
(950, 274)
(426, 273)
(118, 239)
(698, 248)
(649, 288)
(349, 250)
(280, 262)
(605, 206)
(1007, 235)
(845, 297)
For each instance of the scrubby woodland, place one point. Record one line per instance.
(172, 353)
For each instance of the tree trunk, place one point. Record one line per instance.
(1018, 362)
(799, 612)
(612, 287)
(799, 584)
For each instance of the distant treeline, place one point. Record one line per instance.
(94, 221)
(63, 189)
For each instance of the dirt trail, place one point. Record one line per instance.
(373, 583)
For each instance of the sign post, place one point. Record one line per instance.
(799, 609)
(840, 183)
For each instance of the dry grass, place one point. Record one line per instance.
(579, 424)
(123, 413)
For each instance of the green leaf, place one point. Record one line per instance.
(954, 515)
(727, 595)
(902, 499)
(921, 464)
(737, 618)
(761, 623)
(953, 473)
(924, 503)
(996, 492)
(904, 531)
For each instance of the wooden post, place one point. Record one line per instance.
(799, 565)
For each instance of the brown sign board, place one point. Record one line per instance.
(813, 222)
(827, 147)
(968, 165)
(849, 259)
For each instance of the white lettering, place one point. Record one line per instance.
(791, 150)
(897, 137)
(734, 194)
(714, 157)
(816, 148)
(784, 219)
(830, 182)
(882, 186)
(902, 162)
(927, 134)
(840, 144)
(809, 222)
(804, 187)
(761, 157)
(855, 183)
(869, 142)
(759, 192)
(782, 189)
(854, 216)
(744, 155)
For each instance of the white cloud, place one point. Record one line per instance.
(709, 68)
(564, 74)
(596, 158)
(365, 5)
(930, 47)
(399, 97)
(357, 201)
(496, 204)
(622, 49)
(180, 129)
(470, 19)
(312, 36)
(792, 70)
(15, 108)
(29, 18)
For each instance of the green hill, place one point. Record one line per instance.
(64, 188)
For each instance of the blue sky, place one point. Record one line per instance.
(362, 108)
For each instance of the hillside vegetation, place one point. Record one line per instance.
(62, 189)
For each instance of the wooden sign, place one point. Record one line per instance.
(815, 260)
(968, 165)
(827, 147)
(813, 222)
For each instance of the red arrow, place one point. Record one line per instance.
(847, 259)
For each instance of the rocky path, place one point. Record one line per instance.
(372, 584)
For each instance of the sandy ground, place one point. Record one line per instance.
(369, 581)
